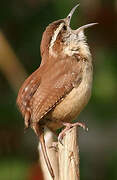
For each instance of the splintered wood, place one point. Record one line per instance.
(64, 158)
(69, 156)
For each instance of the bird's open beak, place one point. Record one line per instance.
(82, 28)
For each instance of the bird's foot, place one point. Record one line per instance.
(69, 126)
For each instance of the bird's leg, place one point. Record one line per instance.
(40, 133)
(69, 126)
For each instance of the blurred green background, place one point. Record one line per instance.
(22, 23)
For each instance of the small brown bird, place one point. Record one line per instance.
(58, 90)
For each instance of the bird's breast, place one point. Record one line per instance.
(70, 107)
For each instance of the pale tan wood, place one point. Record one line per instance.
(69, 156)
(53, 157)
(64, 161)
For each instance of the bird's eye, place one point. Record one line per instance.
(64, 27)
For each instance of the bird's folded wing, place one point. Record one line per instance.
(28, 89)
(57, 81)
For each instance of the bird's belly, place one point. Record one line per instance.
(70, 107)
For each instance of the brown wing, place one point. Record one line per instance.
(28, 89)
(58, 79)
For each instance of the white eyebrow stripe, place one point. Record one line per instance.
(55, 35)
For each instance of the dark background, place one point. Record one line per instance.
(22, 23)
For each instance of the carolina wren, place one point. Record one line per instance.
(60, 88)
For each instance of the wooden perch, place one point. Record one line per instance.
(69, 156)
(53, 157)
(65, 161)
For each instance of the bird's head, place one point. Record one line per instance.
(59, 39)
